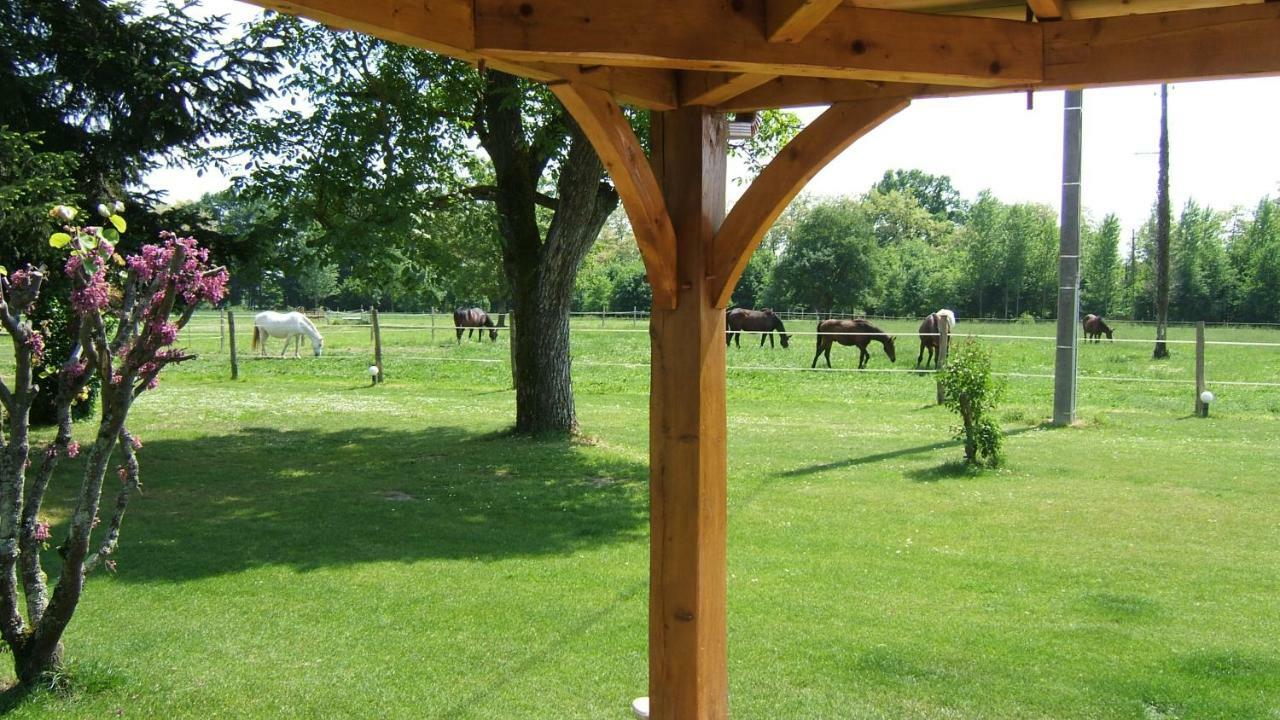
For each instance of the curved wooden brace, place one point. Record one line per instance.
(784, 177)
(604, 124)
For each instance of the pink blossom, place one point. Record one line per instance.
(123, 473)
(165, 333)
(73, 449)
(35, 342)
(41, 533)
(136, 442)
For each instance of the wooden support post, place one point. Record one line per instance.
(1199, 367)
(1064, 367)
(940, 359)
(377, 345)
(231, 330)
(222, 329)
(433, 324)
(688, 675)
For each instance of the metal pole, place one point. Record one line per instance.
(377, 344)
(1064, 367)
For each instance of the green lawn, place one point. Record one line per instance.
(308, 546)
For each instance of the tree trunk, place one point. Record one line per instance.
(541, 271)
(1163, 222)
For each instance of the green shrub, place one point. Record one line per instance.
(970, 390)
(54, 318)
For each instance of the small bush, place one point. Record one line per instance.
(970, 390)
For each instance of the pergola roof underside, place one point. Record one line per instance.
(751, 54)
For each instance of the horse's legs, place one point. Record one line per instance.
(286, 346)
(459, 331)
(828, 353)
(737, 338)
(816, 355)
(921, 355)
(297, 346)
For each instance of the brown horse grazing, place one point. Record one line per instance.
(929, 334)
(764, 322)
(472, 319)
(851, 332)
(1095, 328)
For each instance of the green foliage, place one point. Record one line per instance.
(31, 180)
(317, 282)
(1100, 274)
(934, 193)
(121, 88)
(830, 260)
(56, 320)
(970, 390)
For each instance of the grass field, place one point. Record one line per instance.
(310, 546)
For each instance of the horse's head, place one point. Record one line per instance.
(493, 329)
(784, 338)
(1106, 329)
(317, 344)
(889, 349)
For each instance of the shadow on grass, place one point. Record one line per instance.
(889, 455)
(945, 471)
(309, 499)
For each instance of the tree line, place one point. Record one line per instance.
(911, 244)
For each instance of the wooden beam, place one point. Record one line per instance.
(1182, 46)
(641, 87)
(443, 26)
(1049, 9)
(706, 88)
(619, 149)
(791, 20)
(714, 36)
(1238, 41)
(807, 153)
(688, 674)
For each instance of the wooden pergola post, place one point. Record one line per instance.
(688, 656)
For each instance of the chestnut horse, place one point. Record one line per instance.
(764, 322)
(472, 319)
(1095, 328)
(851, 332)
(929, 330)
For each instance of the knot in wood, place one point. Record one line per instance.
(684, 616)
(858, 47)
(526, 9)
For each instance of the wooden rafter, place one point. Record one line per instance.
(784, 177)
(791, 20)
(853, 43)
(619, 149)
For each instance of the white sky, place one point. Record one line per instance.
(1224, 146)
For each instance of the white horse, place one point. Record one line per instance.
(290, 326)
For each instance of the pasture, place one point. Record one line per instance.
(310, 546)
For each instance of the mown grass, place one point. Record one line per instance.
(311, 546)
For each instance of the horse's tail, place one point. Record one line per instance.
(256, 335)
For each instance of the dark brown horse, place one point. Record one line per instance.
(929, 334)
(1095, 328)
(851, 332)
(764, 322)
(472, 319)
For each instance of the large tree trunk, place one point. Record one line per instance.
(1163, 222)
(541, 271)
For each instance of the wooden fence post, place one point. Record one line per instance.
(377, 344)
(231, 327)
(433, 324)
(602, 310)
(944, 339)
(1199, 367)
(222, 329)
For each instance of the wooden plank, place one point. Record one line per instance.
(807, 153)
(852, 42)
(791, 20)
(620, 151)
(1049, 9)
(707, 88)
(1013, 10)
(688, 658)
(1238, 41)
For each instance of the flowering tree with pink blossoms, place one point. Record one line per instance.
(128, 314)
